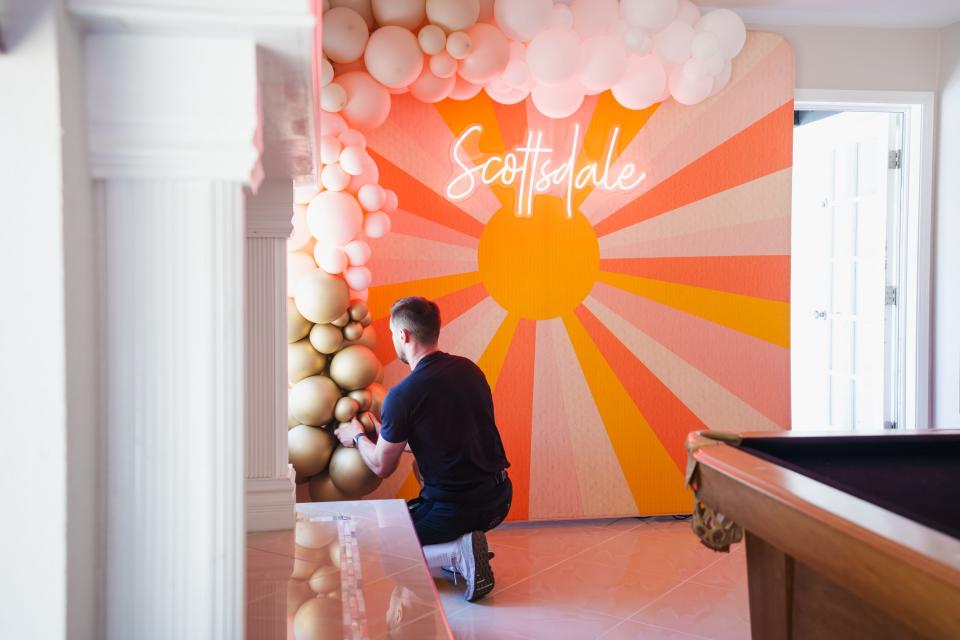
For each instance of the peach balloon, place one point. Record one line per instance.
(331, 259)
(352, 138)
(432, 39)
(298, 265)
(371, 197)
(369, 175)
(464, 89)
(408, 14)
(443, 65)
(390, 201)
(368, 102)
(393, 56)
(523, 19)
(453, 15)
(334, 178)
(594, 17)
(554, 55)
(558, 100)
(333, 98)
(459, 45)
(330, 148)
(500, 92)
(358, 253)
(376, 225)
(352, 160)
(643, 83)
(334, 218)
(300, 235)
(360, 6)
(488, 56)
(326, 72)
(344, 34)
(603, 63)
(332, 124)
(688, 90)
(358, 278)
(430, 88)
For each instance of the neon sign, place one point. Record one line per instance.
(530, 168)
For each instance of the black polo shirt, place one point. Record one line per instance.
(444, 410)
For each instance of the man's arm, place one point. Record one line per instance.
(382, 457)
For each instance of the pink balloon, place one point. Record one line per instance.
(464, 89)
(687, 90)
(554, 55)
(352, 138)
(300, 235)
(330, 149)
(334, 178)
(517, 75)
(431, 88)
(331, 259)
(489, 55)
(500, 92)
(359, 295)
(334, 218)
(594, 17)
(443, 65)
(603, 62)
(558, 100)
(376, 224)
(371, 197)
(722, 78)
(390, 201)
(368, 102)
(523, 19)
(332, 124)
(298, 265)
(393, 56)
(352, 160)
(643, 83)
(370, 175)
(358, 278)
(358, 252)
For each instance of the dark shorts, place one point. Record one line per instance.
(437, 522)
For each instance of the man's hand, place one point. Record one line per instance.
(346, 431)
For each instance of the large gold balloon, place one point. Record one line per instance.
(346, 409)
(312, 400)
(325, 579)
(321, 297)
(310, 449)
(351, 474)
(377, 393)
(322, 489)
(319, 619)
(297, 325)
(354, 367)
(303, 361)
(326, 338)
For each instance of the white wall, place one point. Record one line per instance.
(946, 238)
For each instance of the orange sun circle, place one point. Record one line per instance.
(541, 266)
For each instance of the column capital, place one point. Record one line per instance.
(270, 210)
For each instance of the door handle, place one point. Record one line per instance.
(819, 315)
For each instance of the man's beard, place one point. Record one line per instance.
(400, 356)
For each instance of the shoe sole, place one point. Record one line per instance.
(483, 574)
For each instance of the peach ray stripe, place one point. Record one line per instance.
(759, 276)
(765, 319)
(715, 406)
(595, 466)
(554, 482)
(754, 370)
(655, 481)
(416, 138)
(410, 224)
(399, 258)
(762, 80)
(763, 237)
(758, 201)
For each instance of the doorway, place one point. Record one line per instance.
(848, 234)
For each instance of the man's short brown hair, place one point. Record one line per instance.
(419, 316)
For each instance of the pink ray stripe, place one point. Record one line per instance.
(558, 134)
(554, 490)
(400, 258)
(676, 134)
(417, 139)
(761, 200)
(755, 370)
(711, 403)
(597, 468)
(760, 238)
(410, 224)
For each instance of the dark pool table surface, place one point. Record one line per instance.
(848, 535)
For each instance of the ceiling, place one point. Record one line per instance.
(863, 13)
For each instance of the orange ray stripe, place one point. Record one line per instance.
(382, 297)
(513, 399)
(757, 276)
(669, 418)
(751, 154)
(420, 200)
(452, 306)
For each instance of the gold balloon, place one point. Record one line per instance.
(298, 592)
(326, 338)
(341, 321)
(312, 400)
(346, 409)
(319, 619)
(353, 331)
(297, 325)
(366, 419)
(366, 320)
(363, 398)
(322, 489)
(377, 393)
(354, 367)
(315, 534)
(303, 361)
(325, 579)
(321, 297)
(335, 554)
(367, 339)
(310, 449)
(351, 474)
(358, 309)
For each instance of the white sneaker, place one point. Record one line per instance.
(473, 564)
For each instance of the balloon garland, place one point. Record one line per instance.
(555, 53)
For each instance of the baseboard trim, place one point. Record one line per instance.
(269, 504)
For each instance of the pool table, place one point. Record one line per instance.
(847, 535)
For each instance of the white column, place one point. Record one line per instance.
(269, 485)
(172, 124)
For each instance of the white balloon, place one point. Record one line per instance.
(714, 65)
(360, 6)
(558, 100)
(561, 17)
(637, 41)
(594, 17)
(459, 45)
(443, 65)
(334, 178)
(453, 15)
(643, 84)
(688, 12)
(554, 55)
(603, 61)
(523, 19)
(393, 57)
(721, 79)
(432, 39)
(344, 35)
(326, 72)
(500, 92)
(687, 90)
(705, 44)
(352, 138)
(673, 43)
(517, 74)
(333, 98)
(353, 160)
(728, 27)
(330, 148)
(649, 14)
(408, 14)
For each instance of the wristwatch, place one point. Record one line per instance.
(356, 439)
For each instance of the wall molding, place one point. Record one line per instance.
(270, 503)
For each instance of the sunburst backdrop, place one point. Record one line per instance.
(608, 336)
